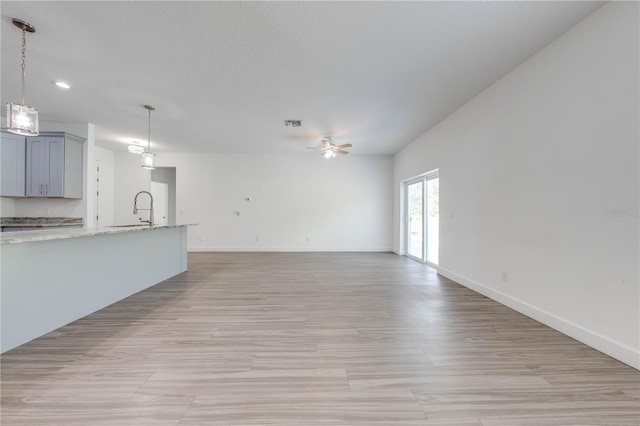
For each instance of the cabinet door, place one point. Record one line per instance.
(37, 166)
(54, 187)
(12, 165)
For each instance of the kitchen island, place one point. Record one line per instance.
(52, 277)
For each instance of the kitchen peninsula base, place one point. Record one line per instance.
(49, 282)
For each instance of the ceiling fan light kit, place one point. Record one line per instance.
(331, 150)
(23, 119)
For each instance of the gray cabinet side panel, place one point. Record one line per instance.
(12, 165)
(73, 153)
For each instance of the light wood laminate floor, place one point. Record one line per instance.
(312, 338)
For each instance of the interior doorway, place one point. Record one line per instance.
(163, 190)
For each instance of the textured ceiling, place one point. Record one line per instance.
(224, 76)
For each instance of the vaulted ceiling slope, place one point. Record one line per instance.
(223, 76)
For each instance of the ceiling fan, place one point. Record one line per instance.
(331, 150)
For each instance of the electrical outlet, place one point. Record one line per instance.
(505, 277)
(307, 239)
(257, 240)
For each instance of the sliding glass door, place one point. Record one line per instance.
(423, 218)
(415, 227)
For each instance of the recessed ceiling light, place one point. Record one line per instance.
(62, 84)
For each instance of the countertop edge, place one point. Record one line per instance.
(39, 225)
(61, 234)
(27, 222)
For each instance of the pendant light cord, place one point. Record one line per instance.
(24, 65)
(149, 108)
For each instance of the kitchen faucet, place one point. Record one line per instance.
(135, 207)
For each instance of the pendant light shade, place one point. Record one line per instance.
(149, 159)
(23, 119)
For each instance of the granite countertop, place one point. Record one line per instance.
(64, 233)
(45, 222)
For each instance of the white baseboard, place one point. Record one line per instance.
(292, 250)
(597, 341)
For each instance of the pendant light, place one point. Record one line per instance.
(148, 159)
(22, 119)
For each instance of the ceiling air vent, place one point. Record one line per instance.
(293, 123)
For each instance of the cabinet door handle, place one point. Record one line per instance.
(46, 189)
(40, 189)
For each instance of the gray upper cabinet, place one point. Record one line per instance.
(37, 166)
(54, 165)
(12, 165)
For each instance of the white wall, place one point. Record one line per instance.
(529, 172)
(298, 202)
(129, 179)
(50, 207)
(7, 207)
(106, 160)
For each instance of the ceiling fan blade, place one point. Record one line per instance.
(312, 147)
(341, 151)
(344, 145)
